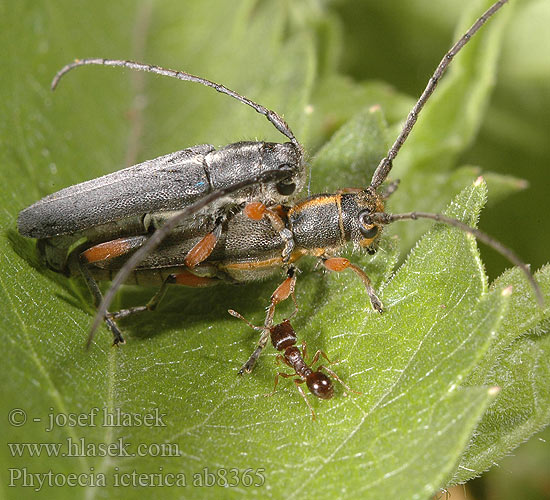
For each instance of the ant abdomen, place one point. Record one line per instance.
(320, 385)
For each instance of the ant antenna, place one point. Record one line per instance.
(258, 328)
(385, 164)
(385, 218)
(272, 116)
(240, 316)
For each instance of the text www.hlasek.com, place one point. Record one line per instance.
(84, 448)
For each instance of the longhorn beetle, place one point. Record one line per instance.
(139, 199)
(204, 249)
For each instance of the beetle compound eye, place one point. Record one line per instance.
(369, 232)
(367, 228)
(285, 188)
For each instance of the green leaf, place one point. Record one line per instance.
(517, 362)
(336, 99)
(419, 366)
(359, 156)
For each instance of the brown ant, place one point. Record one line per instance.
(283, 338)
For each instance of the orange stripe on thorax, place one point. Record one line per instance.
(318, 200)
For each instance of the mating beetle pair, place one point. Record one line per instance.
(199, 214)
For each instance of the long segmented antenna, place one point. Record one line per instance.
(385, 165)
(385, 218)
(157, 237)
(240, 316)
(272, 116)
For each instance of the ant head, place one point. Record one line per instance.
(320, 385)
(282, 335)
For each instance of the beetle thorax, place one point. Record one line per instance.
(328, 221)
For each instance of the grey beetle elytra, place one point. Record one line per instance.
(150, 241)
(139, 199)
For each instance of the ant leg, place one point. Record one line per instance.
(322, 353)
(297, 382)
(279, 374)
(338, 264)
(283, 291)
(333, 374)
(280, 358)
